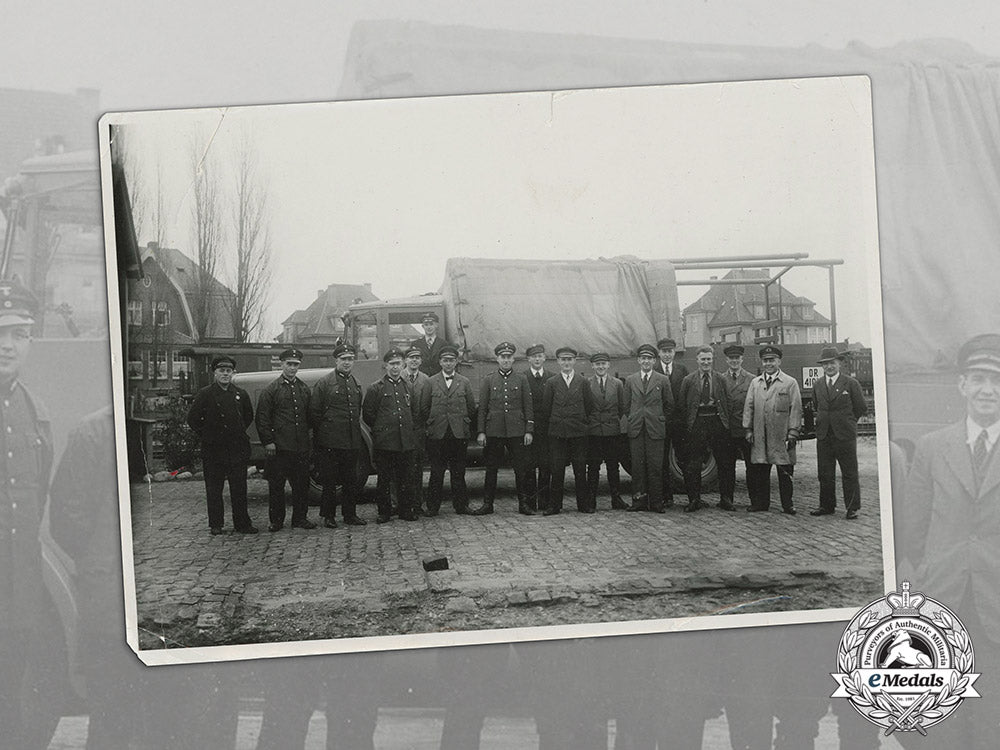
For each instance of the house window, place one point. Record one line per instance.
(160, 370)
(181, 363)
(758, 312)
(137, 366)
(135, 312)
(162, 314)
(807, 313)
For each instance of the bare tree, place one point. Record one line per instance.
(125, 148)
(251, 217)
(208, 231)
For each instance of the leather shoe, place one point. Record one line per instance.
(275, 527)
(587, 510)
(410, 515)
(482, 510)
(658, 509)
(462, 510)
(525, 510)
(851, 515)
(789, 511)
(551, 512)
(821, 512)
(216, 530)
(383, 519)
(355, 521)
(727, 506)
(305, 523)
(248, 530)
(692, 507)
(618, 504)
(330, 523)
(752, 509)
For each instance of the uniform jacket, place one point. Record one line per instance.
(220, 417)
(335, 412)
(390, 411)
(737, 390)
(27, 434)
(505, 406)
(691, 397)
(677, 374)
(950, 524)
(648, 408)
(567, 408)
(773, 414)
(417, 386)
(609, 407)
(283, 415)
(537, 390)
(442, 407)
(430, 355)
(838, 412)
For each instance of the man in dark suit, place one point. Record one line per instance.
(707, 413)
(604, 441)
(649, 401)
(429, 344)
(675, 372)
(737, 386)
(220, 415)
(448, 409)
(335, 415)
(417, 379)
(506, 423)
(567, 404)
(536, 482)
(839, 405)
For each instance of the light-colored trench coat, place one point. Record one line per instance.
(773, 414)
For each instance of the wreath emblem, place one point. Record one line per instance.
(906, 662)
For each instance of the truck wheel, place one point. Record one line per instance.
(364, 470)
(709, 471)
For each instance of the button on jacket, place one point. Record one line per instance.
(839, 410)
(648, 406)
(608, 407)
(537, 386)
(220, 417)
(335, 412)
(505, 405)
(283, 415)
(390, 411)
(442, 407)
(691, 398)
(737, 389)
(567, 407)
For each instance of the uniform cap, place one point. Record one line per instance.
(981, 353)
(646, 349)
(567, 351)
(734, 350)
(600, 357)
(448, 349)
(429, 317)
(535, 349)
(666, 344)
(18, 305)
(414, 350)
(504, 347)
(342, 349)
(223, 361)
(288, 354)
(770, 351)
(394, 353)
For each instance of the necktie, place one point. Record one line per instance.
(706, 388)
(735, 375)
(979, 454)
(447, 380)
(538, 376)
(768, 381)
(602, 385)
(829, 383)
(645, 380)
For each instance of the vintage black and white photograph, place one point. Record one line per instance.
(492, 368)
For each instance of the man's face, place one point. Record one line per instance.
(290, 368)
(14, 344)
(667, 355)
(345, 362)
(537, 360)
(645, 362)
(223, 375)
(506, 361)
(981, 389)
(566, 363)
(413, 361)
(831, 368)
(705, 360)
(770, 364)
(601, 368)
(430, 328)
(394, 367)
(448, 364)
(735, 363)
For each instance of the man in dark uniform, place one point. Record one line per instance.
(283, 428)
(26, 460)
(220, 415)
(390, 412)
(447, 409)
(335, 416)
(676, 426)
(840, 403)
(417, 379)
(737, 385)
(567, 404)
(429, 344)
(649, 402)
(536, 479)
(604, 441)
(707, 412)
(506, 423)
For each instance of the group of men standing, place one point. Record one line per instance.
(423, 408)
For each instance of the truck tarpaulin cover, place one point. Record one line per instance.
(610, 304)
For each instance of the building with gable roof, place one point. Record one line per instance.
(734, 313)
(321, 322)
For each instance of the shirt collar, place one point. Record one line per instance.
(568, 377)
(832, 380)
(972, 433)
(536, 373)
(505, 373)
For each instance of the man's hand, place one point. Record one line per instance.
(481, 439)
(527, 438)
(748, 436)
(790, 442)
(270, 449)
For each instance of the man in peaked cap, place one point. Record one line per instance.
(25, 463)
(840, 403)
(649, 402)
(506, 423)
(567, 404)
(283, 427)
(676, 437)
(429, 344)
(605, 438)
(737, 381)
(220, 415)
(537, 477)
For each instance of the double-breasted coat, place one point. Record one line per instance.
(335, 412)
(505, 406)
(567, 409)
(774, 414)
(442, 407)
(283, 415)
(648, 408)
(220, 417)
(608, 407)
(391, 413)
(429, 364)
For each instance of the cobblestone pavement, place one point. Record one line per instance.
(506, 559)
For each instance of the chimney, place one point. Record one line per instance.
(319, 293)
(367, 285)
